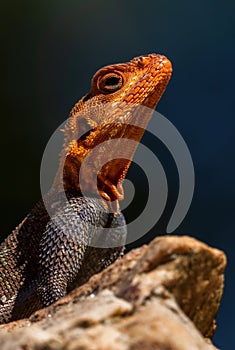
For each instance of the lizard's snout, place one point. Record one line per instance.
(159, 62)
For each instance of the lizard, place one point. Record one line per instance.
(51, 251)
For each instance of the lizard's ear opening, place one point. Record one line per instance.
(84, 129)
(84, 136)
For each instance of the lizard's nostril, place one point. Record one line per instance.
(144, 61)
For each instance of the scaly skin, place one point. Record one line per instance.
(48, 255)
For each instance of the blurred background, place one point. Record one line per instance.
(49, 52)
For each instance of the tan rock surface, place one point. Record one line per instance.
(161, 296)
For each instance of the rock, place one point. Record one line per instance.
(162, 296)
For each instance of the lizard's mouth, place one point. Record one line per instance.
(163, 71)
(153, 98)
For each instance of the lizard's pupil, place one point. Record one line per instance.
(112, 82)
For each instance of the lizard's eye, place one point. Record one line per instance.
(110, 82)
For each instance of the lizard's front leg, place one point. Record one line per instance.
(64, 244)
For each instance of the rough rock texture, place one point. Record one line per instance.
(161, 296)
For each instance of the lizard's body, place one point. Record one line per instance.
(48, 255)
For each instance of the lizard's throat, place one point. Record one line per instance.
(97, 164)
(106, 182)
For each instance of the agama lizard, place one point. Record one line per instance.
(46, 256)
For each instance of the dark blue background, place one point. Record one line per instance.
(49, 52)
